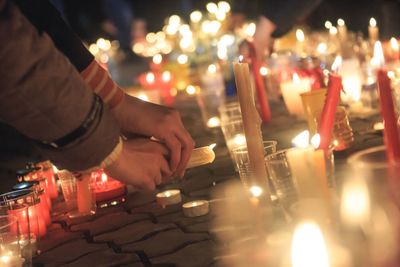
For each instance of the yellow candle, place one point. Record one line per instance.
(291, 91)
(251, 123)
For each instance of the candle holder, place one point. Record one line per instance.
(196, 208)
(342, 131)
(242, 160)
(169, 197)
(48, 173)
(10, 252)
(209, 102)
(35, 174)
(106, 189)
(230, 111)
(233, 131)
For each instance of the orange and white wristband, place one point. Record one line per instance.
(101, 83)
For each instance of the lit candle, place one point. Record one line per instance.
(351, 78)
(11, 261)
(373, 31)
(84, 194)
(195, 208)
(251, 122)
(302, 140)
(237, 141)
(201, 156)
(169, 197)
(308, 246)
(300, 37)
(213, 122)
(49, 174)
(308, 169)
(291, 91)
(105, 187)
(355, 207)
(342, 30)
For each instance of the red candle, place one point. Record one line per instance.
(48, 173)
(391, 134)
(327, 120)
(260, 88)
(105, 187)
(44, 207)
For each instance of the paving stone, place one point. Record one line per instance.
(67, 252)
(135, 264)
(56, 236)
(138, 199)
(133, 232)
(109, 222)
(203, 227)
(104, 258)
(180, 219)
(194, 255)
(163, 243)
(156, 210)
(201, 182)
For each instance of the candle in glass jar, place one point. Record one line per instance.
(291, 91)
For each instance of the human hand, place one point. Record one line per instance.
(144, 118)
(262, 37)
(142, 163)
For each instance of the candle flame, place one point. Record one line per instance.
(241, 58)
(143, 96)
(340, 22)
(182, 59)
(308, 246)
(337, 63)
(264, 71)
(224, 6)
(194, 204)
(104, 177)
(333, 30)
(150, 78)
(250, 29)
(196, 16)
(239, 140)
(256, 191)
(301, 140)
(212, 68)
(322, 48)
(157, 59)
(191, 90)
(394, 44)
(5, 259)
(372, 22)
(212, 7)
(328, 24)
(379, 58)
(315, 140)
(167, 194)
(212, 146)
(300, 35)
(166, 76)
(296, 78)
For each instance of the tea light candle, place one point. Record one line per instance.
(196, 208)
(169, 197)
(201, 156)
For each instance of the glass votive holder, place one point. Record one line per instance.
(241, 157)
(209, 102)
(10, 253)
(230, 111)
(78, 193)
(48, 173)
(284, 182)
(233, 132)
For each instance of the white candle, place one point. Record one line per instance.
(196, 208)
(373, 30)
(350, 71)
(342, 30)
(201, 156)
(291, 91)
(169, 197)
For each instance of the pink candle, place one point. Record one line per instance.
(391, 134)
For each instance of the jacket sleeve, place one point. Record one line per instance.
(285, 13)
(46, 18)
(44, 97)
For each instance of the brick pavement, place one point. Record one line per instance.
(140, 233)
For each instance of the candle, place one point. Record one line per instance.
(300, 37)
(237, 141)
(291, 91)
(84, 194)
(196, 208)
(373, 31)
(301, 140)
(105, 187)
(308, 169)
(351, 79)
(342, 30)
(308, 246)
(390, 132)
(327, 120)
(48, 173)
(259, 83)
(355, 205)
(201, 156)
(251, 123)
(213, 122)
(313, 103)
(169, 197)
(11, 261)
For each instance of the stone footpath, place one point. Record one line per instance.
(140, 233)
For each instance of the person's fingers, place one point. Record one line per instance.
(166, 172)
(158, 179)
(187, 148)
(174, 146)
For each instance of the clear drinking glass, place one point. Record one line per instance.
(230, 111)
(209, 101)
(10, 252)
(241, 157)
(233, 131)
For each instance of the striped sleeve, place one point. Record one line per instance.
(101, 83)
